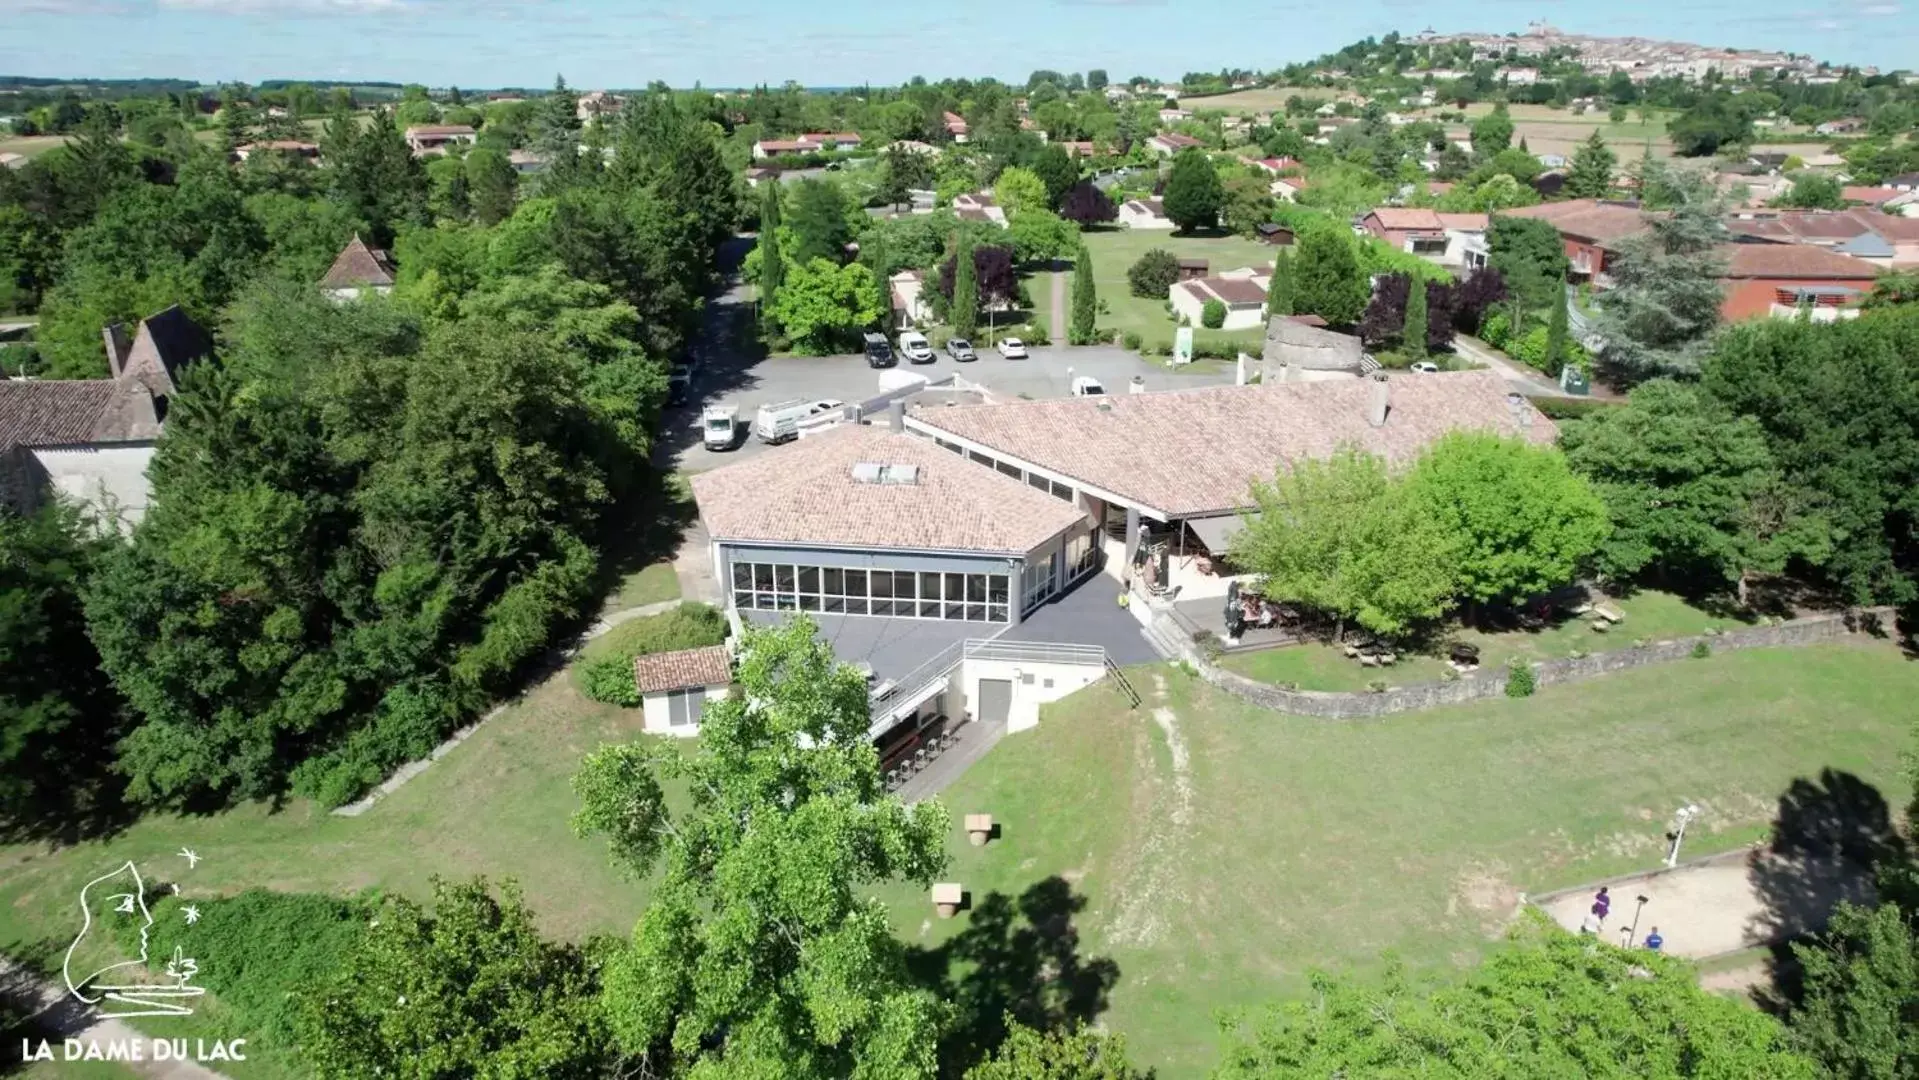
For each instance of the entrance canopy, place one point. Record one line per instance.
(1217, 532)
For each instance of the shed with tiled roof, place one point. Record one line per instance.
(675, 687)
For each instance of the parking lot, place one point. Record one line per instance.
(724, 376)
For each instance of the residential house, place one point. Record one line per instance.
(1244, 296)
(1174, 116)
(755, 177)
(1457, 241)
(1780, 279)
(425, 139)
(956, 127)
(1080, 148)
(525, 161)
(1271, 232)
(1287, 188)
(1169, 143)
(979, 206)
(596, 103)
(1277, 165)
(92, 439)
(1144, 214)
(907, 291)
(820, 142)
(358, 270)
(1589, 229)
(1885, 240)
(292, 149)
(1869, 196)
(1841, 126)
(675, 688)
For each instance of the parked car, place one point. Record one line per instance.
(878, 353)
(961, 350)
(1425, 367)
(719, 426)
(915, 347)
(679, 385)
(1087, 386)
(1012, 348)
(824, 406)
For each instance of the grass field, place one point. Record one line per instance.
(1267, 99)
(30, 145)
(1652, 615)
(1116, 250)
(1216, 855)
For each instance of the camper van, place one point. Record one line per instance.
(719, 426)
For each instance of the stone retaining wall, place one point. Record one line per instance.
(1329, 705)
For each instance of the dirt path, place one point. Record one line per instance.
(1152, 888)
(52, 1011)
(1059, 308)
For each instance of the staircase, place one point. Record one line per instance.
(1125, 685)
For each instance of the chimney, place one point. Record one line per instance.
(897, 419)
(1380, 403)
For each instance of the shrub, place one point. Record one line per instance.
(1496, 330)
(609, 680)
(1153, 274)
(1701, 650)
(1213, 315)
(1208, 644)
(1377, 686)
(1578, 654)
(1531, 349)
(1519, 680)
(1034, 334)
(1131, 340)
(409, 721)
(1163, 348)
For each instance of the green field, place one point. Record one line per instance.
(1116, 250)
(1652, 616)
(1286, 843)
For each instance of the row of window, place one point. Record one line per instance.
(1034, 480)
(834, 590)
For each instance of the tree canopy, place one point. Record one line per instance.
(1194, 195)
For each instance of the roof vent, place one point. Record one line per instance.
(869, 472)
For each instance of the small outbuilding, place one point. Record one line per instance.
(675, 687)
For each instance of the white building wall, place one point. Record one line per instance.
(103, 477)
(1034, 684)
(657, 720)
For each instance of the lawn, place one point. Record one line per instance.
(30, 145)
(1216, 867)
(1650, 615)
(1265, 99)
(1114, 251)
(651, 584)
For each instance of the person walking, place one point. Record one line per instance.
(1602, 905)
(1653, 940)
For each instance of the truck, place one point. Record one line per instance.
(780, 421)
(719, 426)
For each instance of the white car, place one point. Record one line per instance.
(1425, 367)
(1012, 348)
(916, 348)
(1087, 386)
(824, 406)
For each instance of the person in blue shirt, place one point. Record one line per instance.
(1653, 940)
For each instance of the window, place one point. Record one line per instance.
(1062, 491)
(1009, 469)
(906, 594)
(683, 707)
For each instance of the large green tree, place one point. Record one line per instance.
(1660, 313)
(1280, 290)
(374, 173)
(1521, 520)
(1085, 300)
(965, 305)
(464, 990)
(1591, 175)
(762, 951)
(1194, 196)
(1493, 132)
(1019, 189)
(822, 305)
(772, 260)
(1342, 536)
(819, 222)
(1326, 278)
(1076, 1054)
(1530, 258)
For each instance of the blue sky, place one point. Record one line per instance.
(485, 43)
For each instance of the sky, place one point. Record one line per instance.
(725, 43)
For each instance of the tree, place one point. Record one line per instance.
(761, 950)
(1041, 236)
(821, 304)
(1019, 189)
(1522, 522)
(965, 298)
(1529, 258)
(1085, 300)
(1814, 191)
(1711, 123)
(374, 173)
(467, 989)
(1547, 1003)
(1685, 483)
(1247, 205)
(1086, 206)
(1592, 168)
(1152, 275)
(1326, 277)
(995, 281)
(1341, 535)
(772, 261)
(1493, 132)
(492, 185)
(1080, 1053)
(1385, 314)
(1055, 169)
(1280, 289)
(1556, 336)
(1412, 335)
(1664, 304)
(1194, 195)
(819, 222)
(1861, 994)
(1476, 295)
(1212, 314)
(1096, 79)
(1893, 289)
(903, 171)
(59, 717)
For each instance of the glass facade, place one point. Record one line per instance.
(899, 594)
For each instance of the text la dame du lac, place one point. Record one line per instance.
(134, 1050)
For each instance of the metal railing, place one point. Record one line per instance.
(1033, 652)
(893, 693)
(886, 697)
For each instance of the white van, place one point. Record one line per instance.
(780, 421)
(719, 425)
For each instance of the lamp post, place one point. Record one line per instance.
(1632, 931)
(1680, 820)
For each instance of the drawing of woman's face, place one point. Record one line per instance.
(107, 904)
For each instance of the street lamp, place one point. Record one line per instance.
(1680, 820)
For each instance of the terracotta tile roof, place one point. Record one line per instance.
(1794, 261)
(1407, 219)
(658, 673)
(1466, 222)
(359, 266)
(1870, 195)
(73, 412)
(806, 493)
(1176, 140)
(1197, 452)
(1587, 219)
(1228, 290)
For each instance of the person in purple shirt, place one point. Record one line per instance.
(1653, 940)
(1602, 904)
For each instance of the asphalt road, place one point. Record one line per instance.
(728, 371)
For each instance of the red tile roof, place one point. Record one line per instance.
(658, 673)
(1587, 219)
(1795, 261)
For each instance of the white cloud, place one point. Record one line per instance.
(1880, 9)
(292, 7)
